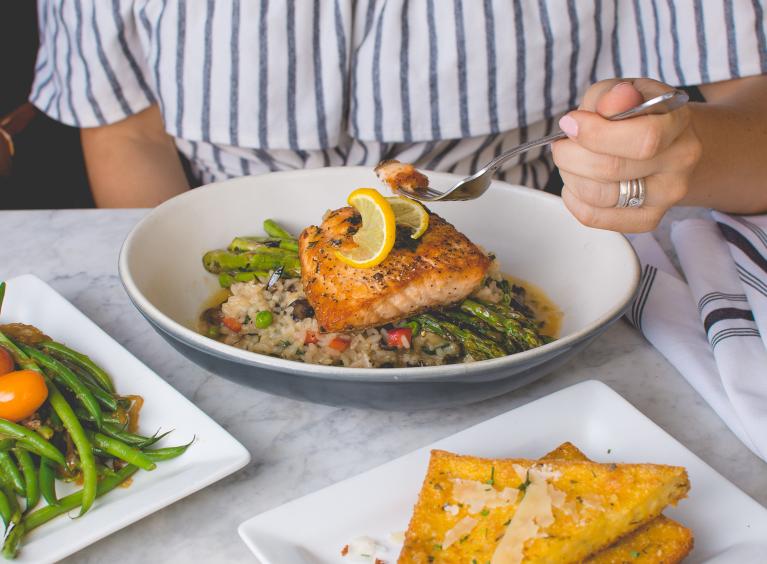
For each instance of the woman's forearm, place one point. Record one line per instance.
(732, 126)
(133, 163)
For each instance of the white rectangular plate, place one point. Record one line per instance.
(213, 455)
(728, 525)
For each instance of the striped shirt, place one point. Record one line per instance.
(250, 86)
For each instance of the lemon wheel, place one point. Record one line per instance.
(375, 239)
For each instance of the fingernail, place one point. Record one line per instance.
(569, 126)
(621, 85)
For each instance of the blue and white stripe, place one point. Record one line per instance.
(249, 86)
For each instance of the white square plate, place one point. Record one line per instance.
(728, 525)
(214, 454)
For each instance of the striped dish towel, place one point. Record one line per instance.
(713, 326)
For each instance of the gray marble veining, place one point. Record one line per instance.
(298, 448)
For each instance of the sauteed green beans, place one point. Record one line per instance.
(74, 410)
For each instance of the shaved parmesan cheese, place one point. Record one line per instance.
(478, 495)
(452, 509)
(464, 527)
(533, 515)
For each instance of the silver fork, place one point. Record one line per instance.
(477, 184)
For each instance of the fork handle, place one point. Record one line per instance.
(519, 149)
(662, 104)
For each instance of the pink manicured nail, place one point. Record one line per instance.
(569, 126)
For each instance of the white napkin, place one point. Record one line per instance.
(709, 328)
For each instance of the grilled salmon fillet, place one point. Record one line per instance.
(440, 268)
(661, 541)
(398, 175)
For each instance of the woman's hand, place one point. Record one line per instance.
(662, 149)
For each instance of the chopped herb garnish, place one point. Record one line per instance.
(246, 320)
(609, 450)
(491, 481)
(506, 524)
(463, 539)
(437, 547)
(634, 554)
(485, 512)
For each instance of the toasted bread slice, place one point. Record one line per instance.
(662, 540)
(519, 510)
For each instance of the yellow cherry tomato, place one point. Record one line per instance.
(21, 393)
(6, 361)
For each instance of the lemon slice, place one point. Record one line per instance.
(409, 213)
(375, 238)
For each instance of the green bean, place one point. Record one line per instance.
(2, 294)
(7, 444)
(67, 503)
(47, 480)
(45, 432)
(63, 374)
(132, 439)
(5, 508)
(32, 489)
(167, 453)
(225, 279)
(83, 361)
(120, 450)
(83, 446)
(11, 473)
(110, 418)
(104, 398)
(273, 229)
(31, 440)
(13, 534)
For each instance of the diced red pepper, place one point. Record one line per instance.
(232, 324)
(311, 338)
(400, 337)
(340, 343)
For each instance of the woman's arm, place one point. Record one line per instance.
(732, 126)
(133, 163)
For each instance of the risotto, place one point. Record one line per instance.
(294, 334)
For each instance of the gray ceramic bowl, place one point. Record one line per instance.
(592, 275)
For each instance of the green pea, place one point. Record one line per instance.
(263, 319)
(213, 332)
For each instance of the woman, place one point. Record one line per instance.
(245, 87)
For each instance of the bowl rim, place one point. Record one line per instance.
(418, 373)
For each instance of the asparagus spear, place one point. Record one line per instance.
(513, 328)
(262, 260)
(274, 230)
(240, 244)
(474, 324)
(478, 347)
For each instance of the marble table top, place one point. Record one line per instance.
(298, 448)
